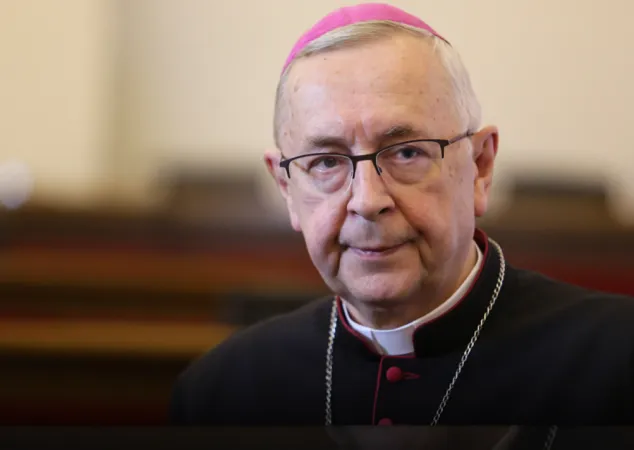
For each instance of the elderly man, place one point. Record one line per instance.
(384, 167)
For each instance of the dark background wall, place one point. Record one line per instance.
(100, 310)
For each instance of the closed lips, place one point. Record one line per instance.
(378, 248)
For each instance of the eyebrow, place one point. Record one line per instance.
(325, 141)
(400, 131)
(395, 131)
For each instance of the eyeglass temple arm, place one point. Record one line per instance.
(460, 136)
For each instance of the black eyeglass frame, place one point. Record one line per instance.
(285, 163)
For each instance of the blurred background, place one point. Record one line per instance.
(138, 227)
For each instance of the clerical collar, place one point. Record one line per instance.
(399, 341)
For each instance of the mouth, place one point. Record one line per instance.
(373, 251)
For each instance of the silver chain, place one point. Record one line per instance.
(476, 334)
(331, 343)
(552, 432)
(329, 361)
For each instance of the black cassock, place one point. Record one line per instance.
(548, 354)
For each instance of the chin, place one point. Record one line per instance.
(383, 288)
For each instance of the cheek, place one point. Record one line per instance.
(454, 218)
(321, 222)
(439, 212)
(426, 209)
(461, 189)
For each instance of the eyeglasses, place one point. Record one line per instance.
(405, 163)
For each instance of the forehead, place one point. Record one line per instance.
(367, 89)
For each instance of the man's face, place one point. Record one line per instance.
(379, 240)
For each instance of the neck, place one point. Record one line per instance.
(396, 313)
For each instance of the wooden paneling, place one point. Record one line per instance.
(99, 311)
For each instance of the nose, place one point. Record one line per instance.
(369, 197)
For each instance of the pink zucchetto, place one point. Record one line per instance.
(365, 12)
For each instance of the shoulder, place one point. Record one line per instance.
(539, 283)
(561, 301)
(248, 357)
(291, 330)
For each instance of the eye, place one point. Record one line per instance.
(408, 152)
(326, 162)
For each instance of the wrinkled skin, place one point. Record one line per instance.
(354, 96)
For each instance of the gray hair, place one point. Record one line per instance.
(467, 103)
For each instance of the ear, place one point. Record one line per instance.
(272, 159)
(485, 147)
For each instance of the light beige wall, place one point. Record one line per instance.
(554, 75)
(197, 80)
(55, 69)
